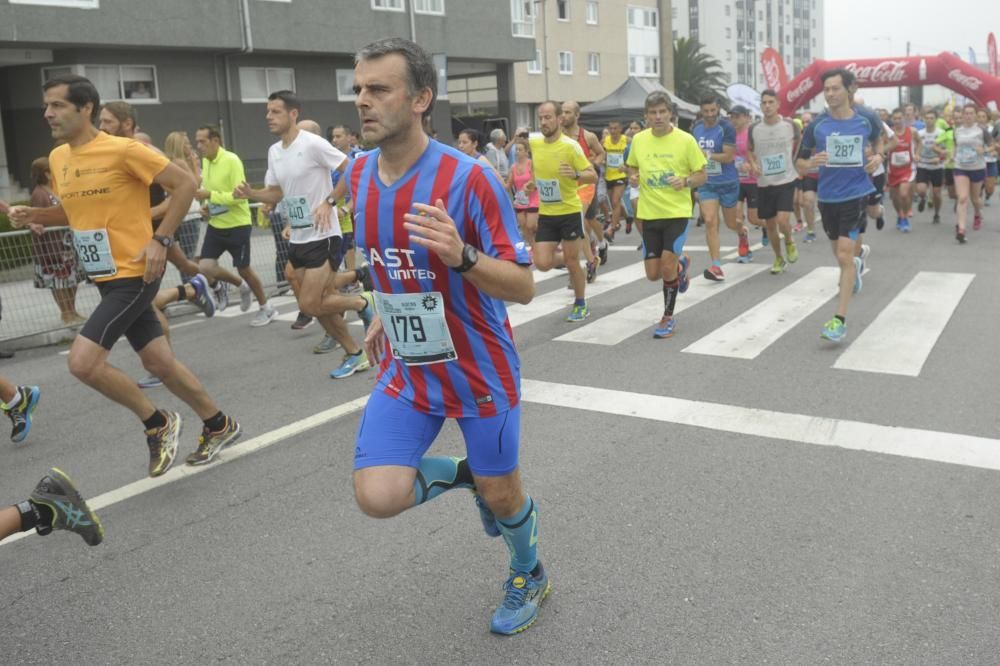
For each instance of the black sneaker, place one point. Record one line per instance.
(592, 270)
(602, 253)
(301, 322)
(922, 204)
(365, 278)
(879, 223)
(937, 219)
(70, 512)
(21, 413)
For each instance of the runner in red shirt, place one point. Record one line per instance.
(901, 170)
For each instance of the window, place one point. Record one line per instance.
(760, 14)
(388, 5)
(673, 11)
(429, 7)
(136, 83)
(535, 66)
(593, 63)
(565, 62)
(729, 55)
(727, 10)
(760, 36)
(814, 41)
(591, 12)
(522, 17)
(562, 10)
(639, 65)
(345, 85)
(256, 83)
(72, 4)
(645, 17)
(729, 33)
(675, 35)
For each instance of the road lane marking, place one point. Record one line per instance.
(756, 329)
(641, 315)
(561, 299)
(944, 447)
(903, 335)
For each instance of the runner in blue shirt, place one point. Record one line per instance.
(440, 234)
(717, 138)
(846, 144)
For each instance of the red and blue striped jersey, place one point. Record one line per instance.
(484, 379)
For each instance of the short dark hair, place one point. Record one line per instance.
(287, 98)
(474, 136)
(213, 131)
(39, 169)
(846, 76)
(421, 73)
(658, 98)
(81, 92)
(557, 106)
(897, 110)
(769, 92)
(708, 99)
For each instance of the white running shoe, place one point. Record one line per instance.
(264, 316)
(246, 294)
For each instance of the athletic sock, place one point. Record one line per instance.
(15, 399)
(843, 320)
(157, 420)
(579, 302)
(216, 422)
(34, 514)
(436, 474)
(520, 531)
(670, 296)
(716, 262)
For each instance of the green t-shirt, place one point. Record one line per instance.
(658, 158)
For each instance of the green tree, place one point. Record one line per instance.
(696, 73)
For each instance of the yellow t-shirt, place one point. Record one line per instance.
(557, 195)
(658, 158)
(104, 185)
(614, 161)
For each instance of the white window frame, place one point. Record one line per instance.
(522, 23)
(400, 8)
(568, 14)
(268, 91)
(535, 66)
(430, 12)
(649, 17)
(594, 58)
(344, 96)
(566, 71)
(69, 4)
(81, 70)
(592, 5)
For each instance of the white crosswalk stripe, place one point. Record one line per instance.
(903, 335)
(749, 334)
(641, 316)
(561, 299)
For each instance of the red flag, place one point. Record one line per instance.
(773, 67)
(991, 51)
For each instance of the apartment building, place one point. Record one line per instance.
(736, 32)
(185, 63)
(585, 49)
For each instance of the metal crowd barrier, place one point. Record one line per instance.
(42, 287)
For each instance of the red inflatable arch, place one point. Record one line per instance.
(945, 69)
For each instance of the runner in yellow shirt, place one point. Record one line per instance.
(665, 162)
(560, 168)
(615, 175)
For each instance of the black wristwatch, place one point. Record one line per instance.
(470, 255)
(331, 201)
(165, 241)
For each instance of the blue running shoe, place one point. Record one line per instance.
(834, 330)
(682, 274)
(578, 313)
(367, 313)
(352, 363)
(906, 225)
(763, 239)
(664, 329)
(486, 515)
(70, 512)
(859, 267)
(745, 259)
(523, 594)
(21, 413)
(204, 298)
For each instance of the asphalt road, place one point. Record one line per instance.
(668, 539)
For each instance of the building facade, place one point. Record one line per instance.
(187, 63)
(585, 49)
(736, 32)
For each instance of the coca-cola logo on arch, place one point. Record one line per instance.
(969, 81)
(803, 87)
(887, 71)
(771, 72)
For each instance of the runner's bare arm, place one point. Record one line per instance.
(271, 194)
(22, 216)
(432, 228)
(597, 154)
(181, 186)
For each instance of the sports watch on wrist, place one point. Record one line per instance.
(331, 201)
(470, 256)
(165, 241)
